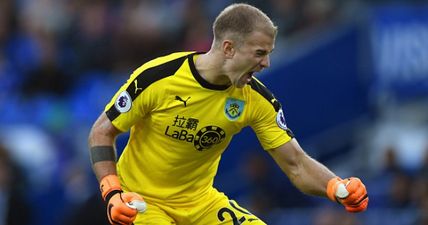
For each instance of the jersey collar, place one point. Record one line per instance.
(200, 79)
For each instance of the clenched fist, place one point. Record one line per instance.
(118, 209)
(350, 192)
(122, 207)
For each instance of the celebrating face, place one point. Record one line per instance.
(250, 57)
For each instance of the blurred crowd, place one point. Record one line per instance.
(62, 60)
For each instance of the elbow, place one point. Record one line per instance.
(291, 163)
(294, 168)
(92, 135)
(102, 132)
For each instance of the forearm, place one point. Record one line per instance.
(308, 175)
(104, 168)
(311, 177)
(102, 147)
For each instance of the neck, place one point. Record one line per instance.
(210, 67)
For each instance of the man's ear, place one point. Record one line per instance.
(228, 48)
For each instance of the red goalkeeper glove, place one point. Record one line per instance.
(122, 208)
(349, 192)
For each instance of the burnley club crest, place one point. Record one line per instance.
(233, 108)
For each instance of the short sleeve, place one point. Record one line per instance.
(267, 118)
(130, 103)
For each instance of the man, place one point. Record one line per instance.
(182, 111)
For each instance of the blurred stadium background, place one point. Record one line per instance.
(352, 76)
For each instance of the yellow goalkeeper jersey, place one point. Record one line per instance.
(180, 125)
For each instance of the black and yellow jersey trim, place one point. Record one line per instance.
(263, 91)
(148, 77)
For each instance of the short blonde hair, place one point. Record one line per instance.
(239, 20)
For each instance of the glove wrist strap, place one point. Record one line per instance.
(109, 195)
(332, 187)
(108, 184)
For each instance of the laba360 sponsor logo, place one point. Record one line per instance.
(184, 129)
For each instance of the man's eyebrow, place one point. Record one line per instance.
(262, 51)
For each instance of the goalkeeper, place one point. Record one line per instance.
(182, 111)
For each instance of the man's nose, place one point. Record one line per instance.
(265, 63)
